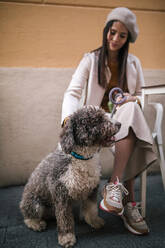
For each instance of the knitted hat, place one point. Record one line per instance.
(128, 18)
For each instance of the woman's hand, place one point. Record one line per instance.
(129, 98)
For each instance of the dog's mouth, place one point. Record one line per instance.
(109, 141)
(112, 139)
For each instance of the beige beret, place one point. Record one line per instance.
(128, 18)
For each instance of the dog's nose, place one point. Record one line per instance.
(118, 124)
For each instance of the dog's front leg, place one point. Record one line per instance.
(90, 211)
(64, 216)
(65, 224)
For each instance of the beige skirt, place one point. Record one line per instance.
(130, 115)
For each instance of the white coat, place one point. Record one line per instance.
(85, 90)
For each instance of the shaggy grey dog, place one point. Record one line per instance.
(70, 173)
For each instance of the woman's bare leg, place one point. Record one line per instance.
(123, 150)
(112, 201)
(130, 187)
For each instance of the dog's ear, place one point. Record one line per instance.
(66, 137)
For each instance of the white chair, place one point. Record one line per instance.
(157, 136)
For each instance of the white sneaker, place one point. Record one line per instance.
(112, 201)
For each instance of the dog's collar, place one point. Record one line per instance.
(78, 156)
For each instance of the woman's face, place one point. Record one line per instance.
(117, 36)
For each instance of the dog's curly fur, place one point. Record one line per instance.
(60, 179)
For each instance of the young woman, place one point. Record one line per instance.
(98, 72)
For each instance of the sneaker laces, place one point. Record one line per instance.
(135, 212)
(115, 189)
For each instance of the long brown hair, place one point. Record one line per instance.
(103, 55)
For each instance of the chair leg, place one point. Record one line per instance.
(162, 163)
(143, 181)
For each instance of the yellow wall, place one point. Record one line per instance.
(51, 33)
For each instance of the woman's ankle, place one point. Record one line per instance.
(128, 198)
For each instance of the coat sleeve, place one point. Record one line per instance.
(73, 94)
(140, 79)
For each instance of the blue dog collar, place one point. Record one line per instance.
(78, 156)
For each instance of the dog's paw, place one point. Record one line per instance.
(35, 224)
(66, 240)
(96, 222)
(99, 222)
